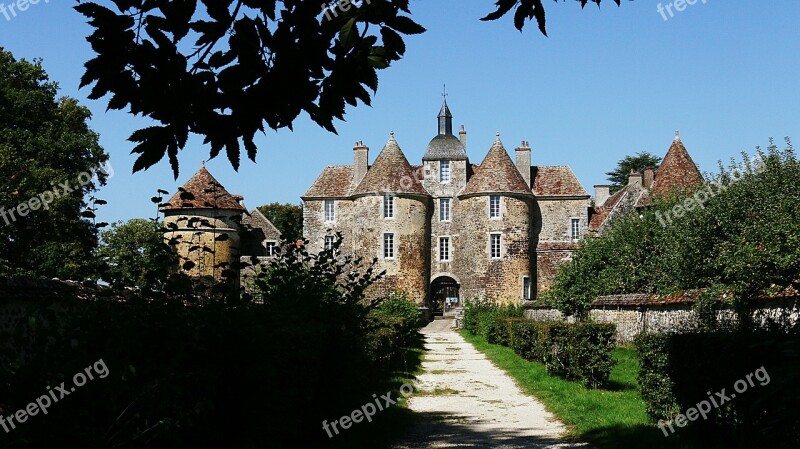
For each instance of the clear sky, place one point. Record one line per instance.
(608, 82)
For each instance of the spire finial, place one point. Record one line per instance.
(677, 136)
(203, 162)
(444, 92)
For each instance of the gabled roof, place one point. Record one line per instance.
(628, 198)
(496, 174)
(556, 180)
(390, 173)
(677, 171)
(333, 182)
(257, 220)
(203, 191)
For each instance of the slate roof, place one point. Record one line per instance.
(677, 171)
(496, 174)
(333, 182)
(257, 220)
(206, 193)
(390, 173)
(623, 200)
(445, 146)
(556, 180)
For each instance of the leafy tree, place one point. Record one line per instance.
(135, 254)
(224, 68)
(288, 218)
(638, 162)
(739, 239)
(48, 155)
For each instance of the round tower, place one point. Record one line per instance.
(202, 221)
(494, 254)
(390, 224)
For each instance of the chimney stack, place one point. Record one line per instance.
(524, 161)
(360, 162)
(635, 178)
(649, 177)
(601, 194)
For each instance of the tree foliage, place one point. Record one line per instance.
(638, 162)
(46, 151)
(223, 69)
(741, 241)
(135, 254)
(288, 218)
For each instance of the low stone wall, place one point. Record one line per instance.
(634, 316)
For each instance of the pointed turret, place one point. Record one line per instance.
(677, 171)
(203, 191)
(497, 174)
(390, 173)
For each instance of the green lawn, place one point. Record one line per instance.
(610, 418)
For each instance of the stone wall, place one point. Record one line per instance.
(408, 270)
(500, 280)
(315, 228)
(632, 320)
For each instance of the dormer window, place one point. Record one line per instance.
(444, 171)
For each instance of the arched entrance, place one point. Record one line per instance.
(444, 295)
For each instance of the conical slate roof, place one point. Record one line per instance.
(203, 191)
(677, 171)
(391, 173)
(497, 174)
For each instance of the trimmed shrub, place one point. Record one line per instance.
(679, 371)
(485, 318)
(581, 351)
(528, 338)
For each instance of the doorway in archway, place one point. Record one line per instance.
(444, 295)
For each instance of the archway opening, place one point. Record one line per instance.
(445, 296)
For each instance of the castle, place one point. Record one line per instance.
(443, 231)
(450, 229)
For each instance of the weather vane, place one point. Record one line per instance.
(444, 91)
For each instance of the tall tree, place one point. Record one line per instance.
(288, 218)
(224, 68)
(49, 160)
(638, 162)
(135, 254)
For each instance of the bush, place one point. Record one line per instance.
(528, 338)
(580, 352)
(485, 318)
(679, 370)
(248, 375)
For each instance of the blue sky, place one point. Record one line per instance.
(608, 82)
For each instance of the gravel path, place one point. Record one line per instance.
(467, 402)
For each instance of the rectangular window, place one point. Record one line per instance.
(272, 249)
(575, 228)
(388, 206)
(329, 241)
(494, 246)
(494, 206)
(526, 288)
(444, 171)
(330, 211)
(388, 245)
(444, 209)
(444, 249)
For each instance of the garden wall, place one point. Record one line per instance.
(641, 313)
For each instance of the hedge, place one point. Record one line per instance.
(681, 370)
(579, 352)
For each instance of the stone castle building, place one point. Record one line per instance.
(450, 229)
